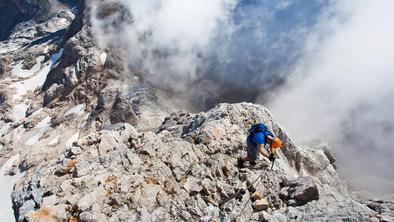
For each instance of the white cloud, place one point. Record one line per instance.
(165, 38)
(343, 89)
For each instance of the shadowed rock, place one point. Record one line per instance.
(300, 191)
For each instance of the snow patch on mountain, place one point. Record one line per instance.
(76, 110)
(18, 71)
(22, 87)
(103, 58)
(54, 142)
(42, 127)
(7, 184)
(19, 111)
(72, 139)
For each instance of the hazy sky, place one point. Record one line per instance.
(343, 89)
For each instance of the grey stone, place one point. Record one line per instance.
(300, 191)
(2, 97)
(96, 196)
(193, 186)
(144, 214)
(82, 168)
(86, 217)
(27, 207)
(186, 215)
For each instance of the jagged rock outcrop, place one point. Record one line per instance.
(2, 98)
(13, 12)
(183, 172)
(299, 191)
(58, 85)
(71, 69)
(385, 209)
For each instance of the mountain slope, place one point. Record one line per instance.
(83, 137)
(184, 172)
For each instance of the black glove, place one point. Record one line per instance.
(271, 157)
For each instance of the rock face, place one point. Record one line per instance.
(13, 12)
(300, 191)
(182, 172)
(55, 87)
(385, 209)
(93, 141)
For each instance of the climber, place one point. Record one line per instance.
(257, 138)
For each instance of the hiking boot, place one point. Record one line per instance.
(241, 163)
(253, 163)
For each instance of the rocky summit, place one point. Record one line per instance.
(85, 138)
(186, 171)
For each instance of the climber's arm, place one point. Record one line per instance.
(262, 150)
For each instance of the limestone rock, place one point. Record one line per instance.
(182, 172)
(82, 168)
(96, 196)
(256, 196)
(193, 186)
(261, 204)
(300, 191)
(49, 213)
(384, 208)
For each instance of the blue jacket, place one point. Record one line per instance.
(258, 138)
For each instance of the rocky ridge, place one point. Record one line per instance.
(183, 172)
